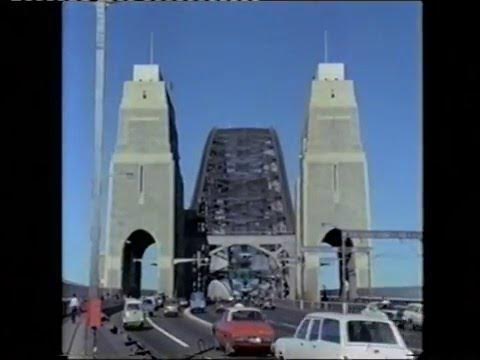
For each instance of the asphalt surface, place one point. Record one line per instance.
(177, 338)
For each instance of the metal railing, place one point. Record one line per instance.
(323, 306)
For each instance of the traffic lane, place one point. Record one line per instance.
(281, 329)
(285, 321)
(191, 332)
(186, 330)
(161, 346)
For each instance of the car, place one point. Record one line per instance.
(328, 335)
(413, 316)
(171, 308)
(182, 302)
(398, 318)
(268, 305)
(243, 328)
(221, 305)
(159, 300)
(379, 310)
(197, 302)
(133, 315)
(148, 305)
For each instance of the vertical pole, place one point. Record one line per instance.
(98, 147)
(420, 262)
(370, 271)
(325, 44)
(297, 243)
(344, 268)
(95, 232)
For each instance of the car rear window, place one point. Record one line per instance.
(370, 332)
(133, 307)
(247, 315)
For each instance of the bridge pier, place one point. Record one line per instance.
(334, 177)
(145, 183)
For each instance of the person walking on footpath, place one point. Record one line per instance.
(74, 304)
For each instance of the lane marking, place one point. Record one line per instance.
(167, 334)
(187, 312)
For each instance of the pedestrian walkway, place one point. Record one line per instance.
(75, 338)
(78, 341)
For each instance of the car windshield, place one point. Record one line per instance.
(171, 303)
(370, 332)
(147, 302)
(133, 307)
(247, 315)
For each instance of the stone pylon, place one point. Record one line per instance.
(334, 184)
(142, 184)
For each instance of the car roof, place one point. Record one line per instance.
(345, 317)
(234, 309)
(416, 304)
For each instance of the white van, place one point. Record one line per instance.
(133, 314)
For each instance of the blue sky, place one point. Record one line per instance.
(251, 64)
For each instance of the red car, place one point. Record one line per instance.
(243, 328)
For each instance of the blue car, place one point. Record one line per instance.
(197, 302)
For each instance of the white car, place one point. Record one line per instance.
(343, 336)
(383, 310)
(133, 314)
(171, 308)
(413, 316)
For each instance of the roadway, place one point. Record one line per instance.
(177, 338)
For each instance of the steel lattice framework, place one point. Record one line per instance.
(242, 187)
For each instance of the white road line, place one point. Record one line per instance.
(187, 312)
(164, 332)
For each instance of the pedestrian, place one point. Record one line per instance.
(74, 304)
(324, 293)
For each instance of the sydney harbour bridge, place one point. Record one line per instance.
(242, 229)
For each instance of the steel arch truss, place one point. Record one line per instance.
(280, 249)
(242, 186)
